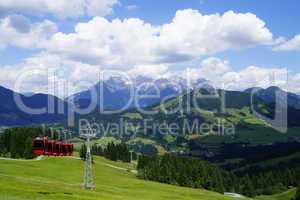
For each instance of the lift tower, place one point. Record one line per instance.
(88, 179)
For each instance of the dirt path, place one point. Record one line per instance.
(23, 160)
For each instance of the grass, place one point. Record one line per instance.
(133, 115)
(60, 178)
(106, 140)
(283, 196)
(139, 140)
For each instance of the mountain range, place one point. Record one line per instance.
(116, 93)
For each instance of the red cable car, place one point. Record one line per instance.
(43, 146)
(39, 145)
(50, 148)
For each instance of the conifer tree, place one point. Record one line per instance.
(83, 151)
(12, 146)
(28, 148)
(219, 182)
(248, 187)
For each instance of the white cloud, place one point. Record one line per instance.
(117, 43)
(214, 67)
(44, 72)
(219, 73)
(59, 8)
(133, 41)
(294, 85)
(192, 34)
(254, 76)
(293, 44)
(79, 76)
(17, 31)
(149, 70)
(210, 68)
(100, 7)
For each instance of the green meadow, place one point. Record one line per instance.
(61, 178)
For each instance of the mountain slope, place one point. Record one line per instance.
(270, 94)
(61, 178)
(276, 97)
(283, 196)
(11, 114)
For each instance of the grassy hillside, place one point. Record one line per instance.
(283, 196)
(60, 178)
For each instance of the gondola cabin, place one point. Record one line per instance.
(39, 145)
(43, 146)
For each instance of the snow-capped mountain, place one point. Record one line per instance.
(120, 93)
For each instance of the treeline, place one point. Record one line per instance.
(272, 178)
(184, 171)
(195, 173)
(17, 142)
(114, 152)
(275, 181)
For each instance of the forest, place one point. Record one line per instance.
(193, 172)
(17, 142)
(114, 152)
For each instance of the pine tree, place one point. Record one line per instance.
(248, 187)
(100, 151)
(13, 146)
(28, 148)
(219, 182)
(82, 151)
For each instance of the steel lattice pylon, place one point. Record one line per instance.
(88, 179)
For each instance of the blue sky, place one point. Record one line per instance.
(280, 18)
